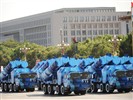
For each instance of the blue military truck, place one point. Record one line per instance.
(16, 76)
(64, 76)
(108, 74)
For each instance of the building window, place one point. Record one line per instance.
(70, 19)
(82, 19)
(114, 18)
(109, 18)
(79, 39)
(98, 18)
(105, 31)
(100, 25)
(89, 26)
(92, 18)
(83, 26)
(103, 18)
(84, 38)
(84, 32)
(94, 32)
(72, 26)
(111, 32)
(78, 26)
(116, 25)
(65, 19)
(76, 19)
(65, 33)
(100, 32)
(65, 26)
(87, 19)
(78, 32)
(65, 40)
(72, 33)
(89, 32)
(117, 31)
(94, 25)
(106, 25)
(110, 25)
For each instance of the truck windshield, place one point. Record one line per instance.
(31, 75)
(120, 74)
(74, 75)
(129, 73)
(84, 75)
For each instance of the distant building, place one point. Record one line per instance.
(81, 23)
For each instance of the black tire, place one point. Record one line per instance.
(6, 88)
(77, 92)
(58, 90)
(27, 89)
(120, 90)
(102, 88)
(45, 90)
(128, 90)
(83, 92)
(12, 87)
(93, 88)
(62, 89)
(32, 89)
(50, 89)
(108, 88)
(39, 86)
(2, 87)
(89, 90)
(15, 88)
(22, 90)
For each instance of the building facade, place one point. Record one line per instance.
(81, 23)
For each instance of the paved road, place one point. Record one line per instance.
(38, 95)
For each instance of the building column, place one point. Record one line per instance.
(21, 35)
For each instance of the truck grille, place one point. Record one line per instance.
(27, 75)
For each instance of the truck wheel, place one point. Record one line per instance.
(94, 88)
(83, 92)
(102, 88)
(6, 87)
(108, 88)
(127, 90)
(32, 89)
(50, 89)
(62, 89)
(58, 90)
(27, 89)
(12, 89)
(120, 90)
(45, 90)
(76, 92)
(2, 87)
(15, 88)
(39, 85)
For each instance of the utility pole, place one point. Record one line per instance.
(24, 50)
(62, 45)
(114, 41)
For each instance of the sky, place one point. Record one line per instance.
(12, 9)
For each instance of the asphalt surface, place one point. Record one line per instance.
(38, 95)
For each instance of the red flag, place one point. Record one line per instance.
(74, 40)
(131, 4)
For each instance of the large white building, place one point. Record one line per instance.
(81, 23)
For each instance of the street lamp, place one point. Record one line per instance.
(24, 50)
(62, 44)
(114, 41)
